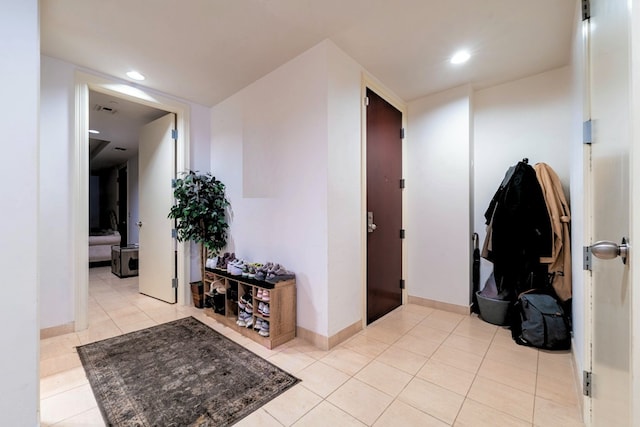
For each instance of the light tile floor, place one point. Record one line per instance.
(415, 367)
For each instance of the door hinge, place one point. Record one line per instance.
(586, 9)
(401, 283)
(586, 132)
(174, 283)
(402, 233)
(586, 258)
(174, 133)
(174, 233)
(586, 383)
(401, 133)
(402, 183)
(366, 101)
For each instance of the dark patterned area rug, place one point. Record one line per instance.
(181, 373)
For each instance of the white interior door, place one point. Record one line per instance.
(610, 180)
(157, 265)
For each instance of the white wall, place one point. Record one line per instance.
(269, 147)
(19, 85)
(200, 152)
(437, 197)
(57, 130)
(528, 118)
(344, 188)
(56, 139)
(287, 147)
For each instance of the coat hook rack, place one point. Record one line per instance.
(525, 161)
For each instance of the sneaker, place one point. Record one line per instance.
(211, 263)
(224, 261)
(265, 310)
(265, 295)
(264, 329)
(251, 271)
(246, 298)
(243, 317)
(259, 293)
(235, 267)
(245, 269)
(279, 275)
(258, 324)
(249, 322)
(262, 272)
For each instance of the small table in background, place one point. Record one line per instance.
(124, 260)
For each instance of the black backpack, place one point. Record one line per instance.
(542, 322)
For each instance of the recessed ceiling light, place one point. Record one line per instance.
(93, 131)
(460, 57)
(135, 75)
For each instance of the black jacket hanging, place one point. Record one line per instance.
(520, 232)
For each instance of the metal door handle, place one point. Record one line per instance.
(609, 250)
(139, 224)
(370, 225)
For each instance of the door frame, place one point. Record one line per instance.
(634, 203)
(368, 81)
(84, 82)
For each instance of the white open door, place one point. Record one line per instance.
(157, 265)
(610, 177)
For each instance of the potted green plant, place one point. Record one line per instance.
(200, 212)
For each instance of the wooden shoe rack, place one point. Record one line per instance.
(282, 306)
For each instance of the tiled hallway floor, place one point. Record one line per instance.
(416, 367)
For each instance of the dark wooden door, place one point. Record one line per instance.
(384, 207)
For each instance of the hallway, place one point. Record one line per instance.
(416, 367)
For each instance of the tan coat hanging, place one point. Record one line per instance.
(560, 216)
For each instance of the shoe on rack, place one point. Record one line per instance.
(264, 329)
(243, 317)
(265, 309)
(265, 295)
(260, 307)
(259, 293)
(226, 259)
(249, 322)
(235, 267)
(279, 275)
(246, 297)
(222, 261)
(261, 272)
(258, 324)
(251, 271)
(245, 269)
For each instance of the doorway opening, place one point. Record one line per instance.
(123, 198)
(84, 84)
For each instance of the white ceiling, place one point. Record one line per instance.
(206, 50)
(120, 127)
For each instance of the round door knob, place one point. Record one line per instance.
(139, 223)
(610, 250)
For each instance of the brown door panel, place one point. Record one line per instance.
(384, 200)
